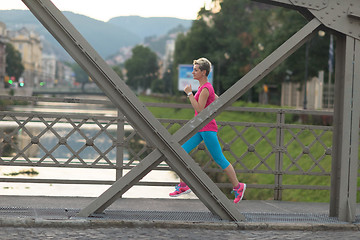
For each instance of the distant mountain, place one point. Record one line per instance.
(106, 37)
(148, 27)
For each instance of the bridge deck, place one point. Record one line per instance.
(169, 213)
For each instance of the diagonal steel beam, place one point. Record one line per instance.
(137, 114)
(226, 99)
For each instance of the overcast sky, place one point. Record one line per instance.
(105, 9)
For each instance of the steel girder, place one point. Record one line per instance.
(169, 149)
(345, 162)
(135, 111)
(231, 95)
(342, 16)
(343, 19)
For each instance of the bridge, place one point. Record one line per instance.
(27, 129)
(118, 147)
(341, 18)
(66, 91)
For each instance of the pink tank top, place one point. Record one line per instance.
(211, 126)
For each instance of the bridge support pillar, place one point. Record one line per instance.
(346, 129)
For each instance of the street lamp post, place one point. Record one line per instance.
(218, 77)
(226, 57)
(306, 72)
(330, 63)
(307, 48)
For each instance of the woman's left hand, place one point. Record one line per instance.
(188, 89)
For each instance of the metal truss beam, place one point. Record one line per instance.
(145, 122)
(343, 17)
(226, 99)
(135, 111)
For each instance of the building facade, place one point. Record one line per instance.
(294, 95)
(3, 41)
(64, 75)
(29, 45)
(48, 71)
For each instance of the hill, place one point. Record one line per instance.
(106, 37)
(148, 27)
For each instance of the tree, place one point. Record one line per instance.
(118, 71)
(142, 68)
(157, 86)
(241, 35)
(167, 80)
(284, 24)
(234, 38)
(221, 37)
(14, 66)
(80, 75)
(83, 78)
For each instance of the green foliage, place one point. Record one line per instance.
(80, 75)
(294, 162)
(224, 38)
(168, 113)
(240, 35)
(157, 86)
(167, 80)
(30, 172)
(14, 66)
(286, 23)
(8, 149)
(142, 68)
(5, 103)
(264, 149)
(118, 71)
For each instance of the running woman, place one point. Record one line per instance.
(203, 98)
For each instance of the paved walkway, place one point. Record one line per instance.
(132, 212)
(26, 217)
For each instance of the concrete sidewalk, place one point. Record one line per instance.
(38, 211)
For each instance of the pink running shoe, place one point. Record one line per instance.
(180, 190)
(239, 192)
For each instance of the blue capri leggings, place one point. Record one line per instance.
(212, 143)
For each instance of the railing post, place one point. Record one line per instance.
(120, 134)
(280, 121)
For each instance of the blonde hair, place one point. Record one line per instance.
(204, 64)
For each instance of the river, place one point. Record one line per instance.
(76, 190)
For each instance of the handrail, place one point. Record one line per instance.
(260, 163)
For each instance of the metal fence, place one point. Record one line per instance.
(280, 145)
